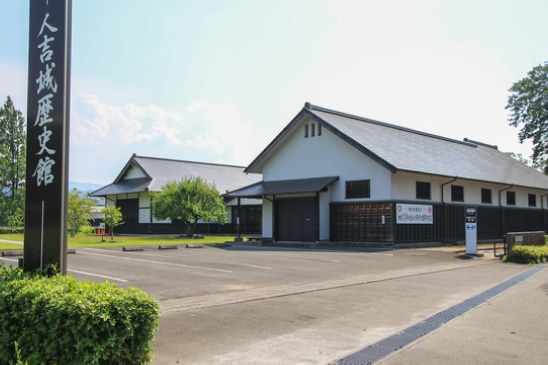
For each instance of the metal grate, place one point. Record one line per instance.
(400, 340)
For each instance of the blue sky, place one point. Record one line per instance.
(217, 80)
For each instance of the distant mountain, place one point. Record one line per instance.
(84, 187)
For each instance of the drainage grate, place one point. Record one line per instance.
(398, 341)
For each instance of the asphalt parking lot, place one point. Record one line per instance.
(281, 305)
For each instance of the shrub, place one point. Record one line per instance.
(528, 254)
(88, 230)
(57, 320)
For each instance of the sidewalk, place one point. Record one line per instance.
(12, 242)
(508, 329)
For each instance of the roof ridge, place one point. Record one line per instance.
(312, 107)
(481, 143)
(187, 161)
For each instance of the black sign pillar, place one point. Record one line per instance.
(48, 101)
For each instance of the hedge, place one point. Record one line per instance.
(9, 230)
(528, 254)
(57, 320)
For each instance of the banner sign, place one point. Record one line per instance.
(414, 214)
(48, 101)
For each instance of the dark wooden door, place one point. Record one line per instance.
(295, 219)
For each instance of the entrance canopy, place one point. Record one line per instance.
(262, 188)
(123, 187)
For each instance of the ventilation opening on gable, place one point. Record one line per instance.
(312, 130)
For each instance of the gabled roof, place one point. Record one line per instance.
(403, 149)
(158, 171)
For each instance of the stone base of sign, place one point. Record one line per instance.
(194, 246)
(12, 253)
(125, 248)
(168, 247)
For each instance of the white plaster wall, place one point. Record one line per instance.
(228, 214)
(134, 173)
(267, 218)
(326, 155)
(404, 188)
(322, 156)
(325, 199)
(522, 197)
(144, 208)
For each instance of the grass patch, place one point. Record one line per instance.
(10, 246)
(82, 240)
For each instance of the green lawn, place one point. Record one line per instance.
(95, 241)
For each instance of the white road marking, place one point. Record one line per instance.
(98, 276)
(12, 260)
(203, 260)
(158, 262)
(82, 273)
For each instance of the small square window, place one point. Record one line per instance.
(358, 189)
(486, 196)
(423, 190)
(532, 200)
(510, 198)
(457, 193)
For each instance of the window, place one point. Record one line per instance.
(486, 196)
(313, 129)
(319, 129)
(358, 189)
(532, 200)
(457, 193)
(423, 190)
(510, 198)
(306, 131)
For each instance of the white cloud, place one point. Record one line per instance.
(110, 132)
(220, 126)
(95, 120)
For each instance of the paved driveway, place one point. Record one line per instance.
(260, 305)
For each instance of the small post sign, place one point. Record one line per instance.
(470, 223)
(48, 100)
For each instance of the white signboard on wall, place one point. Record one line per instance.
(414, 214)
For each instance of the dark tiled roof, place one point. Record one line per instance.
(123, 187)
(160, 171)
(403, 149)
(284, 187)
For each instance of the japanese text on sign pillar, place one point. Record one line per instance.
(46, 90)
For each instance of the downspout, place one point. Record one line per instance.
(503, 221)
(445, 224)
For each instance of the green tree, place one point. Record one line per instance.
(16, 221)
(189, 200)
(528, 106)
(12, 160)
(79, 211)
(112, 216)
